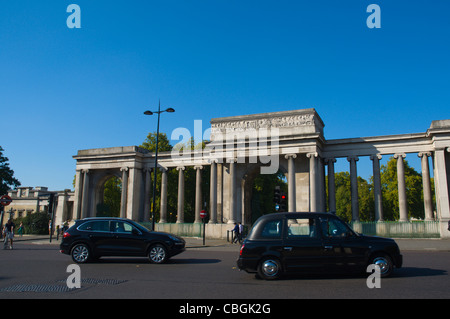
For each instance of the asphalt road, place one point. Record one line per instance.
(205, 273)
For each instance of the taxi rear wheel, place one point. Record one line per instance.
(269, 269)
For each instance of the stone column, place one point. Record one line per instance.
(180, 207)
(331, 184)
(354, 187)
(312, 181)
(198, 193)
(148, 183)
(78, 195)
(291, 182)
(442, 182)
(427, 197)
(163, 205)
(85, 199)
(123, 199)
(232, 194)
(213, 193)
(402, 202)
(378, 198)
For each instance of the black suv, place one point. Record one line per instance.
(91, 238)
(311, 242)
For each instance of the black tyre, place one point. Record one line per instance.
(158, 254)
(81, 253)
(270, 269)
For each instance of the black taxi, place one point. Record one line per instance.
(281, 243)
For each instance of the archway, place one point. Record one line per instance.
(108, 193)
(259, 192)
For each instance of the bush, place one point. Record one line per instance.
(36, 223)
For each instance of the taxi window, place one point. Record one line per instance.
(272, 229)
(301, 228)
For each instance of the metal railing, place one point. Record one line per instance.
(396, 229)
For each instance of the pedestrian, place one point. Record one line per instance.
(241, 232)
(236, 233)
(8, 231)
(20, 229)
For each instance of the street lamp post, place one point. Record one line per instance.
(170, 110)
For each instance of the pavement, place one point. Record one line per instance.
(420, 244)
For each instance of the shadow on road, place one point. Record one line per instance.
(144, 260)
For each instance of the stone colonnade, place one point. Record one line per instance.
(299, 150)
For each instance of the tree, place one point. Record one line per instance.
(389, 185)
(7, 179)
(150, 143)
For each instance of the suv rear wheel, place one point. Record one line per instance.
(80, 253)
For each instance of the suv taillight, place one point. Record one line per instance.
(242, 248)
(66, 235)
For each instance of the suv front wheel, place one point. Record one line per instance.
(157, 254)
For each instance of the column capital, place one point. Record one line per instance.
(124, 169)
(352, 158)
(375, 156)
(163, 169)
(86, 171)
(213, 160)
(330, 160)
(421, 154)
(231, 160)
(182, 168)
(313, 154)
(292, 155)
(403, 155)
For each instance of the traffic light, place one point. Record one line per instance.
(283, 205)
(277, 197)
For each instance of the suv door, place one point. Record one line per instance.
(302, 247)
(98, 234)
(128, 240)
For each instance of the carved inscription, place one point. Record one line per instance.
(267, 123)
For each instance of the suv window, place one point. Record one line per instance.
(302, 228)
(96, 225)
(122, 227)
(272, 229)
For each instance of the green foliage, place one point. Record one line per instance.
(414, 193)
(7, 179)
(263, 191)
(150, 143)
(389, 186)
(36, 223)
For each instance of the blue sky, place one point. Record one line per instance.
(64, 89)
